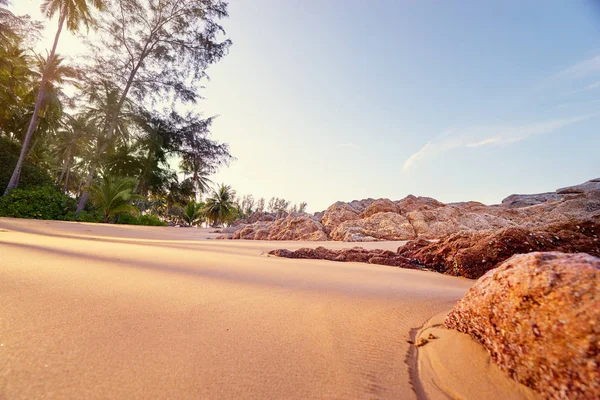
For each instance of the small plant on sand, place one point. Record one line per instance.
(113, 196)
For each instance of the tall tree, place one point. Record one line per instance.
(158, 49)
(73, 13)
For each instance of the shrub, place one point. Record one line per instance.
(40, 203)
(151, 220)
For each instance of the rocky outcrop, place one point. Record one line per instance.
(380, 226)
(472, 254)
(355, 254)
(537, 315)
(426, 218)
(295, 226)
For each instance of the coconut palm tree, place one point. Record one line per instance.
(113, 196)
(220, 206)
(74, 13)
(193, 213)
(194, 166)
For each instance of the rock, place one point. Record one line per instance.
(412, 203)
(472, 254)
(355, 254)
(589, 186)
(380, 226)
(537, 315)
(295, 226)
(380, 205)
(526, 200)
(338, 213)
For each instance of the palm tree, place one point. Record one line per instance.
(193, 165)
(73, 13)
(193, 213)
(113, 195)
(220, 206)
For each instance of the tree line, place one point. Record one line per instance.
(119, 125)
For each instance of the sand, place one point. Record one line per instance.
(122, 312)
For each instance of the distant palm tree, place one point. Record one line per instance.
(195, 167)
(220, 206)
(193, 213)
(73, 13)
(113, 196)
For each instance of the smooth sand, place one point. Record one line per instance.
(99, 311)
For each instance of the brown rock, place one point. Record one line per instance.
(413, 203)
(472, 254)
(338, 213)
(380, 226)
(537, 315)
(355, 254)
(295, 226)
(380, 205)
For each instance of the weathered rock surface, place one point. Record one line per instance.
(380, 226)
(472, 254)
(294, 226)
(538, 316)
(423, 217)
(355, 254)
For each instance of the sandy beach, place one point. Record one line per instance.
(103, 311)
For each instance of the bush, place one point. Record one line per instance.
(149, 220)
(31, 176)
(40, 203)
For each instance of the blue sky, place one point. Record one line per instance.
(459, 100)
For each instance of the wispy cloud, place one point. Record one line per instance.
(475, 137)
(581, 68)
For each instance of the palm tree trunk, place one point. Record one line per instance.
(14, 179)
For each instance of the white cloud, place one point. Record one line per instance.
(582, 68)
(480, 136)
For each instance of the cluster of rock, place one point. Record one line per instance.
(538, 316)
(421, 217)
(470, 254)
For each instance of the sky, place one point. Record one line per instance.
(460, 100)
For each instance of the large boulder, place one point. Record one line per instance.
(380, 226)
(538, 316)
(379, 205)
(526, 200)
(337, 213)
(294, 226)
(413, 203)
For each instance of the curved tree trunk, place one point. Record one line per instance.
(14, 179)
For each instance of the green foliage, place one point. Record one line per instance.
(113, 196)
(193, 213)
(148, 220)
(31, 176)
(220, 207)
(39, 203)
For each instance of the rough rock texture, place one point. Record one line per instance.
(538, 316)
(426, 218)
(472, 254)
(378, 206)
(380, 226)
(355, 254)
(526, 200)
(294, 226)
